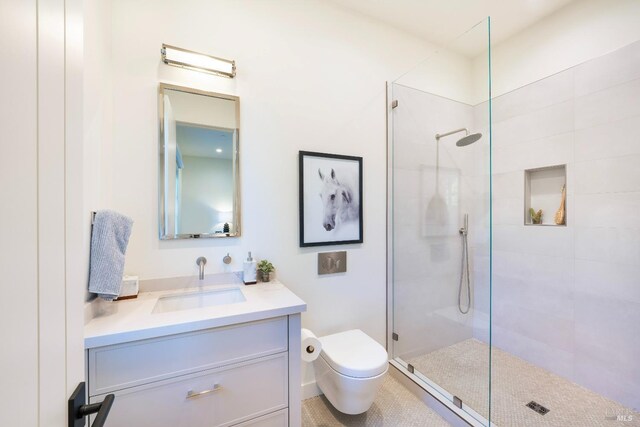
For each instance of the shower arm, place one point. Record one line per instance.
(438, 136)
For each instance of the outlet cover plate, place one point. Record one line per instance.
(332, 262)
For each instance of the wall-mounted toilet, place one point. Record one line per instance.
(350, 370)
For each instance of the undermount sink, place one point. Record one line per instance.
(198, 300)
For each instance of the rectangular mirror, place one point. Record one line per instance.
(199, 164)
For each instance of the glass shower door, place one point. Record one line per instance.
(439, 231)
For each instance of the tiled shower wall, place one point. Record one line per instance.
(568, 298)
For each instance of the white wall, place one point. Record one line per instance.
(580, 31)
(97, 103)
(310, 77)
(98, 106)
(445, 73)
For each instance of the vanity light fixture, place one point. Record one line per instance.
(218, 150)
(184, 58)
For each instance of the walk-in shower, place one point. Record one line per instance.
(537, 330)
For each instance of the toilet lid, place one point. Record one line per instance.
(355, 354)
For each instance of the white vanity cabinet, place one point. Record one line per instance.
(242, 374)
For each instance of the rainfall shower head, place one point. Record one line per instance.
(467, 140)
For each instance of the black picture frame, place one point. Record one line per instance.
(351, 165)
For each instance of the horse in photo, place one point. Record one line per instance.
(340, 199)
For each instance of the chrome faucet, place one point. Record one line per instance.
(201, 263)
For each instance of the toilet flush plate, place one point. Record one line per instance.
(332, 262)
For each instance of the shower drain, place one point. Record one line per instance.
(537, 407)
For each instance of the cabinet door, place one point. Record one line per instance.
(276, 419)
(220, 397)
(121, 366)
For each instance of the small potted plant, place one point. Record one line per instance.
(265, 268)
(536, 217)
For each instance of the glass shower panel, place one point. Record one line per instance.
(440, 222)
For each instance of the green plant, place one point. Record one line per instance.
(265, 266)
(536, 217)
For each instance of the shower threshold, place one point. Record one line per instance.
(468, 414)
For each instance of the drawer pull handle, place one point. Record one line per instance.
(193, 394)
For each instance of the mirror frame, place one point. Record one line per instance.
(237, 217)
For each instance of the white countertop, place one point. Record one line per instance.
(132, 320)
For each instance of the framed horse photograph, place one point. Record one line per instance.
(330, 199)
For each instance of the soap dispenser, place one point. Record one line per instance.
(249, 271)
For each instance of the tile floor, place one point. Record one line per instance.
(395, 406)
(462, 369)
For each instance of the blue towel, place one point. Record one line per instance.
(109, 239)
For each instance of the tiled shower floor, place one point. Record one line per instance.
(463, 370)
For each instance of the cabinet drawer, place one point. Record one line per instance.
(131, 364)
(277, 419)
(242, 392)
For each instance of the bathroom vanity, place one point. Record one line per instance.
(205, 358)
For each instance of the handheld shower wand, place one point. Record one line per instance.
(464, 267)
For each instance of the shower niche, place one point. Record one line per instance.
(545, 190)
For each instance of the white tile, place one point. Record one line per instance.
(609, 70)
(507, 238)
(611, 139)
(614, 381)
(621, 210)
(549, 151)
(408, 215)
(406, 185)
(551, 241)
(605, 331)
(608, 280)
(508, 184)
(481, 115)
(616, 103)
(481, 297)
(612, 245)
(541, 123)
(613, 175)
(411, 154)
(542, 270)
(535, 96)
(550, 296)
(553, 331)
(534, 351)
(417, 120)
(508, 211)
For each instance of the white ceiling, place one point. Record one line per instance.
(198, 141)
(442, 21)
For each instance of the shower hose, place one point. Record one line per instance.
(464, 268)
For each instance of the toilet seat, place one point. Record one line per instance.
(354, 354)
